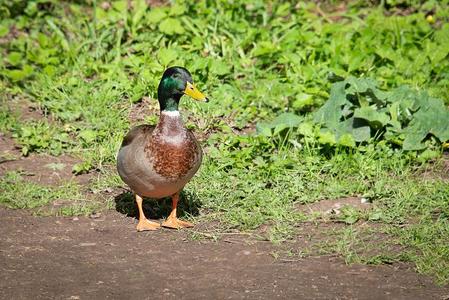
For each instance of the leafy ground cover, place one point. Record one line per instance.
(348, 100)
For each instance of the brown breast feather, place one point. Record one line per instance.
(173, 160)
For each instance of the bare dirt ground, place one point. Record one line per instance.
(39, 168)
(105, 258)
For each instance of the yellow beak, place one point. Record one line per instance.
(193, 92)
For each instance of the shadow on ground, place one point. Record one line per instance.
(188, 205)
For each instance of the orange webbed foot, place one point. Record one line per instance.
(145, 225)
(175, 223)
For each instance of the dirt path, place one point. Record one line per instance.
(104, 258)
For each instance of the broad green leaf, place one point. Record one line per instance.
(330, 112)
(357, 107)
(177, 9)
(374, 118)
(279, 128)
(347, 140)
(394, 113)
(356, 127)
(360, 85)
(303, 100)
(20, 74)
(167, 55)
(156, 15)
(287, 119)
(120, 5)
(171, 26)
(264, 129)
(431, 118)
(199, 64)
(326, 137)
(413, 141)
(14, 58)
(281, 122)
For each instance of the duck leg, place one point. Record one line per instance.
(172, 221)
(144, 223)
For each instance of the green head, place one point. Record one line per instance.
(175, 82)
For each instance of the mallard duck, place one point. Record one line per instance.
(158, 161)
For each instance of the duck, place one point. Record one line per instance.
(158, 161)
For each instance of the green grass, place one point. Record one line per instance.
(18, 193)
(86, 69)
(411, 210)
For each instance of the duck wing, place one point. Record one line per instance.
(136, 133)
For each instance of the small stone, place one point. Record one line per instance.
(75, 219)
(364, 200)
(95, 215)
(246, 252)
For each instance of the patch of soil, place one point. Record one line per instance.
(327, 207)
(104, 257)
(8, 150)
(247, 130)
(140, 110)
(39, 168)
(28, 110)
(156, 3)
(438, 169)
(25, 109)
(331, 12)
